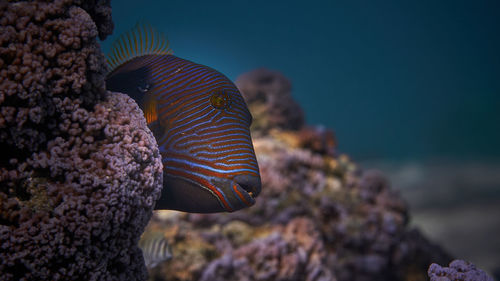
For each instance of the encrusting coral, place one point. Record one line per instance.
(80, 172)
(458, 270)
(48, 52)
(319, 217)
(291, 252)
(267, 94)
(79, 169)
(100, 12)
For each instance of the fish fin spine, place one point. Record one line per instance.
(150, 109)
(141, 40)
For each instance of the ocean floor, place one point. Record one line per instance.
(456, 204)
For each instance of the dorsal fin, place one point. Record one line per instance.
(141, 40)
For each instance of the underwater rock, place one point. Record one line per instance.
(77, 209)
(457, 270)
(318, 217)
(48, 52)
(292, 252)
(268, 96)
(79, 170)
(100, 12)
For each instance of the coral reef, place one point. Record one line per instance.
(319, 217)
(292, 252)
(77, 209)
(100, 12)
(48, 52)
(79, 170)
(268, 95)
(458, 270)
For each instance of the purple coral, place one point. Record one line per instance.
(81, 205)
(268, 94)
(458, 270)
(318, 217)
(294, 252)
(48, 52)
(100, 12)
(79, 171)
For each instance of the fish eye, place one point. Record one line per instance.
(220, 100)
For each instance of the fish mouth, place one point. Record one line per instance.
(244, 195)
(222, 194)
(247, 188)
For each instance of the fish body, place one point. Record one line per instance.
(199, 119)
(155, 250)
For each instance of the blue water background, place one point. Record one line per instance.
(395, 79)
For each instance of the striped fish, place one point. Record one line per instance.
(155, 250)
(199, 119)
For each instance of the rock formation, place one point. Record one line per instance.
(79, 169)
(319, 217)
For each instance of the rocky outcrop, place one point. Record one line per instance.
(319, 217)
(79, 169)
(458, 270)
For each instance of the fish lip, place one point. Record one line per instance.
(248, 194)
(248, 187)
(250, 183)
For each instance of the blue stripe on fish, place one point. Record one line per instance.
(199, 119)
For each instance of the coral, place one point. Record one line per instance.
(318, 217)
(293, 252)
(317, 139)
(79, 171)
(79, 208)
(100, 11)
(414, 253)
(268, 96)
(48, 52)
(458, 270)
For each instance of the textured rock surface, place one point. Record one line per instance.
(48, 52)
(458, 270)
(100, 11)
(268, 95)
(79, 170)
(77, 209)
(319, 217)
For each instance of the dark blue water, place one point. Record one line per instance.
(413, 80)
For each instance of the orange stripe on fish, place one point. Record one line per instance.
(199, 119)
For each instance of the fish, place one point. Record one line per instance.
(198, 118)
(155, 249)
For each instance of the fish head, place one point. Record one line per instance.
(208, 156)
(198, 118)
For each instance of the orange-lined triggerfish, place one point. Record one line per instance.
(199, 119)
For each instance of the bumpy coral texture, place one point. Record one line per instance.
(293, 252)
(458, 270)
(100, 11)
(80, 206)
(318, 217)
(79, 169)
(268, 94)
(48, 51)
